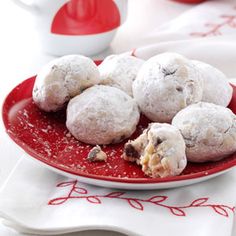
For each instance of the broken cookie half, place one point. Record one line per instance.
(160, 150)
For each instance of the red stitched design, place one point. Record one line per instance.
(76, 192)
(216, 29)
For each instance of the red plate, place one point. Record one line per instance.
(45, 137)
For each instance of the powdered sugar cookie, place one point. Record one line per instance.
(216, 88)
(120, 71)
(62, 79)
(160, 150)
(102, 115)
(165, 84)
(209, 131)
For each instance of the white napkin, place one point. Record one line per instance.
(35, 200)
(206, 32)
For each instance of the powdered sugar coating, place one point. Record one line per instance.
(171, 151)
(160, 150)
(120, 71)
(165, 84)
(209, 131)
(102, 115)
(62, 79)
(216, 88)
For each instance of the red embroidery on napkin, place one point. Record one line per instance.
(215, 29)
(76, 192)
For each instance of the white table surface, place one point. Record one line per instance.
(21, 57)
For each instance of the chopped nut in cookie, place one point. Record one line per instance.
(134, 149)
(160, 150)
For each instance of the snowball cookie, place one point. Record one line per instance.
(216, 88)
(102, 115)
(120, 71)
(160, 150)
(209, 131)
(165, 84)
(62, 79)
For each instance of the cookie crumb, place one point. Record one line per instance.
(96, 154)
